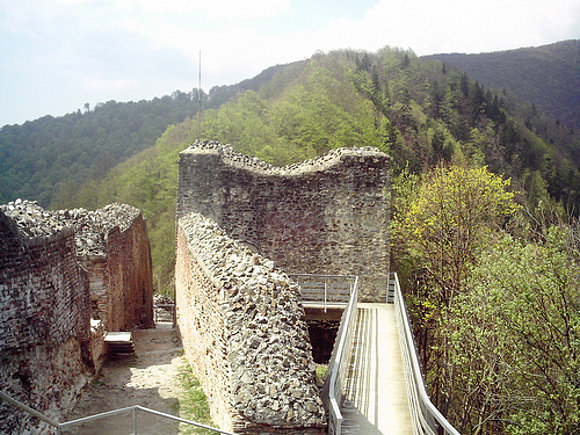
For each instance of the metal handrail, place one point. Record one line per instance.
(330, 290)
(134, 409)
(338, 364)
(28, 409)
(425, 416)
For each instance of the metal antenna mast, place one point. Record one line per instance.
(199, 111)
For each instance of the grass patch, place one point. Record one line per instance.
(194, 405)
(321, 372)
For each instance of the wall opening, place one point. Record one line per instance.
(322, 337)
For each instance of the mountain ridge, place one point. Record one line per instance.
(547, 76)
(38, 173)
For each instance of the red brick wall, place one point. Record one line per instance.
(201, 326)
(44, 323)
(121, 283)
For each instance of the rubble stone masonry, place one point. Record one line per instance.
(57, 270)
(113, 246)
(245, 335)
(329, 215)
(44, 316)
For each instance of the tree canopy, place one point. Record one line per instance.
(479, 180)
(52, 157)
(450, 221)
(514, 339)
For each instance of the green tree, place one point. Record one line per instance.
(514, 340)
(448, 222)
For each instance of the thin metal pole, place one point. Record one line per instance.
(135, 420)
(182, 420)
(325, 295)
(199, 111)
(28, 409)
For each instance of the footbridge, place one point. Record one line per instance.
(374, 383)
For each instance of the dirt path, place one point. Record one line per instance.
(150, 378)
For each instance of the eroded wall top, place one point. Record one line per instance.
(242, 161)
(329, 215)
(260, 360)
(92, 227)
(31, 224)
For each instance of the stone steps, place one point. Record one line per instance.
(119, 344)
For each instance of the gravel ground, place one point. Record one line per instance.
(149, 378)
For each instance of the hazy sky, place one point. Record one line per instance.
(57, 55)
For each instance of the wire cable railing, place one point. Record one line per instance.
(328, 290)
(425, 417)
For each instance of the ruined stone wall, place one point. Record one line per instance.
(97, 349)
(44, 315)
(329, 215)
(96, 267)
(113, 246)
(49, 346)
(244, 333)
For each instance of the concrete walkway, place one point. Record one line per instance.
(375, 397)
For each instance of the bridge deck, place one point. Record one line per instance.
(375, 398)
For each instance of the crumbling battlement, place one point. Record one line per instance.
(44, 315)
(329, 215)
(113, 246)
(92, 227)
(44, 293)
(49, 264)
(244, 333)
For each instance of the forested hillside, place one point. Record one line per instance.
(417, 111)
(50, 155)
(484, 190)
(548, 76)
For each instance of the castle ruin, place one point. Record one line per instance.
(242, 226)
(329, 215)
(66, 278)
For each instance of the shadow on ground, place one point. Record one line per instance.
(150, 378)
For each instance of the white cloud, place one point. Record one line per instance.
(463, 25)
(96, 83)
(229, 10)
(116, 49)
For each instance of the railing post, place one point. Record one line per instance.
(325, 292)
(135, 421)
